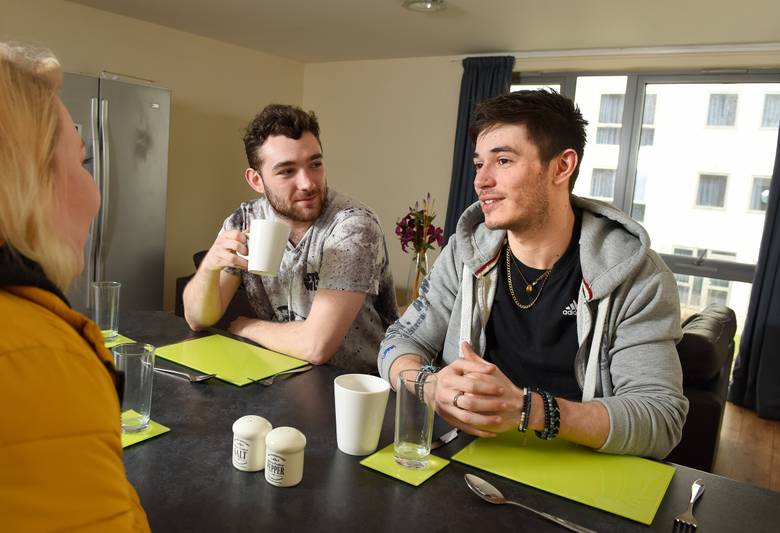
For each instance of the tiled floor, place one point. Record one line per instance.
(749, 448)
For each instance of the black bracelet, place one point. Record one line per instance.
(525, 415)
(552, 416)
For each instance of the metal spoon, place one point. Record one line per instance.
(491, 494)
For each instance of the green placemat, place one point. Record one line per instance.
(231, 360)
(118, 340)
(382, 461)
(154, 429)
(628, 486)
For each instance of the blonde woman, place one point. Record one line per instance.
(60, 451)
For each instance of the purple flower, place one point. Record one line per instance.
(416, 228)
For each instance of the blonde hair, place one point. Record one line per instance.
(29, 129)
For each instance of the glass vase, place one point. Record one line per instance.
(418, 269)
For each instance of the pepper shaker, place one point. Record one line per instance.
(284, 456)
(249, 433)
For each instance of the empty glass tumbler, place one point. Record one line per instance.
(105, 307)
(415, 394)
(136, 361)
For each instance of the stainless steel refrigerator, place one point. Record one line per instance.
(125, 128)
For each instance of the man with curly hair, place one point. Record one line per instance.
(333, 297)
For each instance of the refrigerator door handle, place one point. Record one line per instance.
(97, 172)
(105, 182)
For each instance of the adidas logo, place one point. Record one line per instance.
(571, 309)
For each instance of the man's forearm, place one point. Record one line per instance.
(582, 423)
(202, 300)
(403, 362)
(290, 338)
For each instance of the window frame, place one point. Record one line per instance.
(625, 173)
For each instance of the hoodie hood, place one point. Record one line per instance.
(613, 246)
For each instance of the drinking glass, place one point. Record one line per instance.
(413, 418)
(105, 310)
(136, 361)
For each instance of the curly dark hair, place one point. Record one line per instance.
(277, 119)
(554, 123)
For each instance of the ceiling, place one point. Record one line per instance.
(336, 30)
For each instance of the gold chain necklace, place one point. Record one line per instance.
(529, 287)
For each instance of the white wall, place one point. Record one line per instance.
(388, 128)
(216, 89)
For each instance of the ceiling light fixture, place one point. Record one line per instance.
(427, 6)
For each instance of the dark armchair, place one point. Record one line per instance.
(706, 351)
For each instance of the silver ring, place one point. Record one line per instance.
(455, 399)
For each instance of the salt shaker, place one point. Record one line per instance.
(249, 434)
(284, 456)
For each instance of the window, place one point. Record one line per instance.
(696, 292)
(602, 183)
(610, 112)
(659, 183)
(759, 196)
(723, 110)
(771, 117)
(712, 190)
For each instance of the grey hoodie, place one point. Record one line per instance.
(628, 302)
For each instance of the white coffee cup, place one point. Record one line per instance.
(267, 241)
(361, 401)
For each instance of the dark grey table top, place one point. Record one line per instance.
(186, 481)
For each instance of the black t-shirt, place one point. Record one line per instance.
(536, 347)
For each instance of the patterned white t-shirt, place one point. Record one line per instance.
(344, 249)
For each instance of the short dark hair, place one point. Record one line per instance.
(277, 119)
(554, 123)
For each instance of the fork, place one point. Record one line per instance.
(444, 439)
(270, 381)
(191, 378)
(685, 521)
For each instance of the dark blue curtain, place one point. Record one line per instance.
(483, 78)
(756, 379)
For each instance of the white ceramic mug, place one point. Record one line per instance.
(267, 240)
(361, 401)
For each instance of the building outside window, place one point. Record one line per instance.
(722, 110)
(712, 190)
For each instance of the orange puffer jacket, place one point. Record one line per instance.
(60, 450)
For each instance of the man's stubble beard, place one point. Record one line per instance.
(535, 210)
(289, 211)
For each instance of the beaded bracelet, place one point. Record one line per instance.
(525, 414)
(419, 382)
(552, 416)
